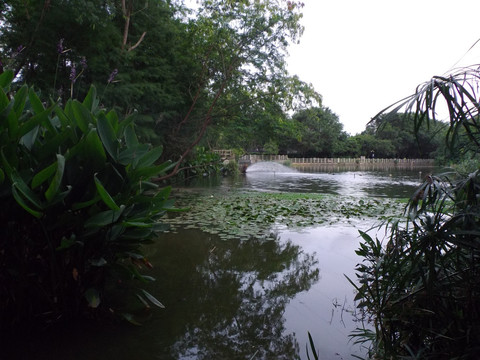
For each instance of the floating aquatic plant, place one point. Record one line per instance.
(247, 214)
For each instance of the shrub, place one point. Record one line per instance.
(77, 206)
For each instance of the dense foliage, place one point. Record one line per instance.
(421, 288)
(77, 205)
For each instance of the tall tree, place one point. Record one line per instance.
(319, 132)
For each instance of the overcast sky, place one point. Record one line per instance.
(361, 56)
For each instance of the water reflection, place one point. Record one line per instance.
(233, 295)
(224, 300)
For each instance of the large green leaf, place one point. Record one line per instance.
(104, 218)
(91, 101)
(94, 149)
(130, 137)
(35, 102)
(19, 99)
(28, 194)
(20, 200)
(57, 178)
(6, 79)
(43, 175)
(38, 119)
(128, 122)
(150, 157)
(84, 204)
(151, 171)
(28, 140)
(82, 116)
(104, 195)
(113, 120)
(107, 135)
(4, 102)
(132, 155)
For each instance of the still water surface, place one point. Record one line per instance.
(250, 299)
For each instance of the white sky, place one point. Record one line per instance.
(363, 55)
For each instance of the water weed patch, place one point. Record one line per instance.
(247, 214)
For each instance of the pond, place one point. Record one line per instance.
(229, 296)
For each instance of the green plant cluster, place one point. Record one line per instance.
(77, 206)
(201, 163)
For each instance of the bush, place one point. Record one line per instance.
(77, 206)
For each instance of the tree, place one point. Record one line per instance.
(319, 132)
(241, 46)
(99, 43)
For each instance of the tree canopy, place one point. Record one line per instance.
(213, 76)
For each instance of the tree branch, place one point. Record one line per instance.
(138, 42)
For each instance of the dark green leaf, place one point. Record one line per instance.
(150, 157)
(104, 218)
(82, 115)
(19, 99)
(105, 196)
(107, 135)
(23, 204)
(90, 101)
(57, 178)
(35, 102)
(6, 79)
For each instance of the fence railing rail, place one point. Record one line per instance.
(334, 161)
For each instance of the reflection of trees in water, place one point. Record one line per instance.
(240, 291)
